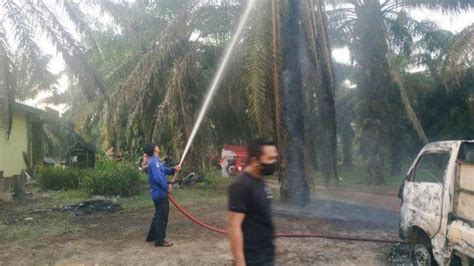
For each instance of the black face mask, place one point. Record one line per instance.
(268, 169)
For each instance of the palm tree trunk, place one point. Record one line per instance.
(310, 77)
(326, 88)
(415, 122)
(298, 191)
(309, 112)
(317, 44)
(373, 83)
(278, 104)
(346, 139)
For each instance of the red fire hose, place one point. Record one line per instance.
(292, 235)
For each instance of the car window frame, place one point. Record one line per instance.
(413, 172)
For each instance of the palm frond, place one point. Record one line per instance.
(256, 68)
(459, 55)
(339, 3)
(173, 107)
(43, 15)
(340, 26)
(33, 59)
(343, 34)
(432, 45)
(400, 36)
(132, 98)
(32, 82)
(414, 26)
(7, 83)
(123, 69)
(429, 51)
(339, 15)
(72, 51)
(79, 19)
(118, 12)
(403, 30)
(454, 6)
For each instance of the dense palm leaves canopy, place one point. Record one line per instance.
(138, 71)
(385, 42)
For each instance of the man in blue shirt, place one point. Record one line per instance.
(159, 189)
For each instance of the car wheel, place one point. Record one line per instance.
(422, 256)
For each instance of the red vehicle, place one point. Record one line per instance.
(235, 156)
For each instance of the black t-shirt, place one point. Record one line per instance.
(251, 196)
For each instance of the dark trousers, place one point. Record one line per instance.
(159, 223)
(259, 259)
(262, 257)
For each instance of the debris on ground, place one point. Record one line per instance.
(401, 255)
(191, 179)
(41, 210)
(91, 206)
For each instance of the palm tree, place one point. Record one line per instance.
(345, 103)
(21, 54)
(7, 82)
(155, 71)
(273, 37)
(158, 98)
(297, 191)
(458, 57)
(446, 83)
(320, 83)
(372, 31)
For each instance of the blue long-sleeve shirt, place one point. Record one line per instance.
(157, 173)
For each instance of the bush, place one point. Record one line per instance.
(57, 178)
(112, 178)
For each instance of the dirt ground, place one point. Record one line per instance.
(119, 238)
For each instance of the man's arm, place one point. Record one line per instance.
(157, 177)
(236, 237)
(169, 170)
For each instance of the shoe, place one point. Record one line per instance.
(165, 244)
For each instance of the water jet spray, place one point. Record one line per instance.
(218, 77)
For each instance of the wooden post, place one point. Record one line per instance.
(6, 188)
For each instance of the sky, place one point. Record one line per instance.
(451, 22)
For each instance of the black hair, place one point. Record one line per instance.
(255, 147)
(149, 149)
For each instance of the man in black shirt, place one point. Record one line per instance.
(250, 225)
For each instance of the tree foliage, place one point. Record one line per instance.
(138, 72)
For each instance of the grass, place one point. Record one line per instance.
(21, 227)
(30, 223)
(32, 230)
(352, 179)
(57, 198)
(214, 188)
